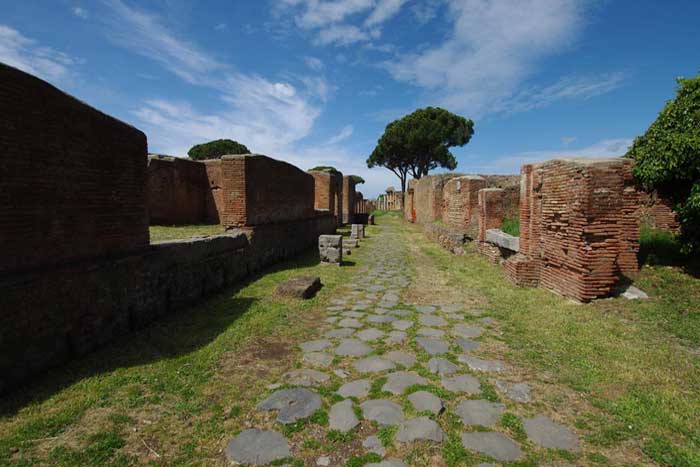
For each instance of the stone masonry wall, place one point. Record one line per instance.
(261, 190)
(72, 179)
(460, 203)
(178, 191)
(348, 207)
(579, 226)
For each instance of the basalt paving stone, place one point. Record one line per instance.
(349, 323)
(479, 412)
(315, 346)
(476, 312)
(339, 301)
(369, 334)
(419, 429)
(402, 358)
(401, 313)
(425, 309)
(519, 392)
(463, 330)
(376, 288)
(432, 320)
(373, 365)
(257, 447)
(353, 314)
(441, 366)
(492, 444)
(382, 411)
(433, 346)
(424, 401)
(373, 444)
(452, 308)
(430, 332)
(361, 306)
(321, 359)
(548, 434)
(305, 377)
(388, 463)
(340, 333)
(342, 417)
(402, 324)
(293, 404)
(336, 308)
(479, 364)
(380, 319)
(358, 388)
(331, 319)
(396, 383)
(461, 383)
(380, 311)
(488, 321)
(390, 297)
(466, 345)
(396, 337)
(352, 348)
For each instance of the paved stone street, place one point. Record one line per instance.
(404, 378)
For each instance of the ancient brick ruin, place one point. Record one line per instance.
(329, 193)
(77, 268)
(348, 203)
(391, 200)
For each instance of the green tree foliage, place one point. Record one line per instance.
(357, 179)
(324, 168)
(667, 157)
(421, 142)
(217, 148)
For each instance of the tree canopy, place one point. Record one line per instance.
(421, 142)
(357, 179)
(667, 157)
(217, 148)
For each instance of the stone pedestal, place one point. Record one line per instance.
(357, 231)
(330, 248)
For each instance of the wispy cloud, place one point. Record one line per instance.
(567, 140)
(28, 55)
(314, 63)
(493, 47)
(384, 10)
(344, 134)
(80, 12)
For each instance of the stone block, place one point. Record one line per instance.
(300, 287)
(357, 231)
(351, 242)
(330, 249)
(503, 240)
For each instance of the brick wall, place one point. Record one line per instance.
(409, 207)
(579, 227)
(348, 207)
(428, 197)
(261, 190)
(179, 192)
(460, 203)
(490, 209)
(72, 179)
(328, 192)
(215, 199)
(657, 212)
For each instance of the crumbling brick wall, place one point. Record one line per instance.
(72, 179)
(461, 203)
(178, 191)
(578, 226)
(328, 192)
(348, 207)
(261, 190)
(215, 200)
(657, 212)
(428, 197)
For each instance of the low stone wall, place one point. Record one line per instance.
(448, 238)
(51, 316)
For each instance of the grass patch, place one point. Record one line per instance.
(511, 226)
(161, 233)
(360, 461)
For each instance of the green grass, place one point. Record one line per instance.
(635, 362)
(182, 381)
(161, 233)
(511, 226)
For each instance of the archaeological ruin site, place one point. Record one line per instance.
(471, 320)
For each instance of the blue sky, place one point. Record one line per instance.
(315, 82)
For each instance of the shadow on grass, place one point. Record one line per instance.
(661, 248)
(179, 333)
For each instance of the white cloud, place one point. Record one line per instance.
(493, 47)
(341, 35)
(567, 140)
(384, 10)
(80, 12)
(319, 14)
(511, 164)
(314, 63)
(344, 134)
(26, 54)
(425, 11)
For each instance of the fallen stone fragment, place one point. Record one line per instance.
(330, 249)
(420, 428)
(293, 404)
(358, 388)
(305, 377)
(373, 365)
(433, 346)
(352, 348)
(424, 401)
(402, 358)
(257, 447)
(633, 293)
(342, 417)
(461, 383)
(441, 366)
(478, 364)
(492, 444)
(300, 287)
(323, 461)
(398, 382)
(548, 434)
(480, 412)
(519, 392)
(382, 411)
